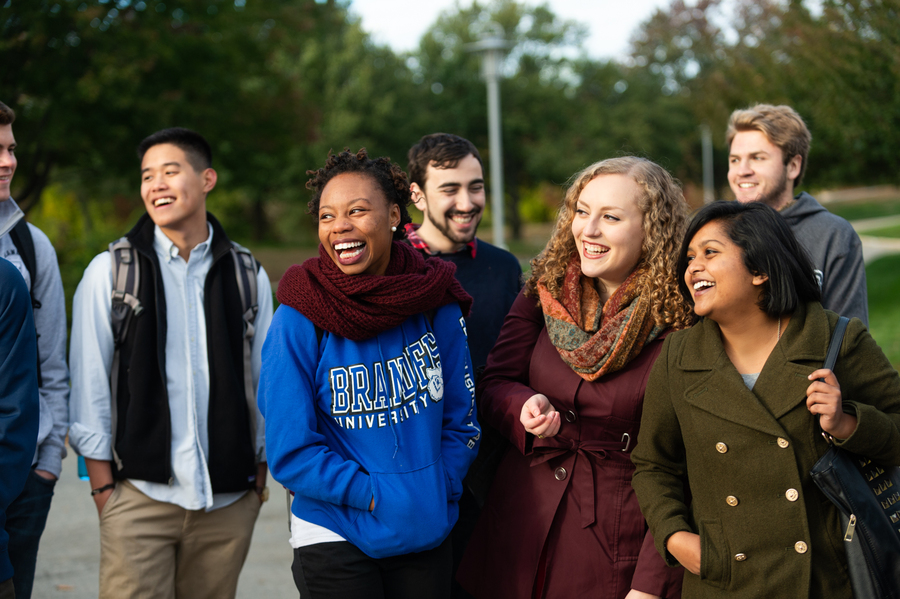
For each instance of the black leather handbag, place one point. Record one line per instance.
(867, 495)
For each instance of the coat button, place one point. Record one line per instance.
(570, 416)
(560, 473)
(740, 557)
(800, 547)
(791, 494)
(732, 500)
(721, 447)
(783, 443)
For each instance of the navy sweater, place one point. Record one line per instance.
(493, 278)
(19, 403)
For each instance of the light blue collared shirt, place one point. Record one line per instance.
(187, 370)
(50, 324)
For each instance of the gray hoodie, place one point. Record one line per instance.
(836, 252)
(50, 322)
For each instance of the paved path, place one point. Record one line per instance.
(876, 247)
(69, 559)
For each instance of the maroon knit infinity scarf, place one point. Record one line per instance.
(359, 307)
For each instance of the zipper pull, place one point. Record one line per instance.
(851, 527)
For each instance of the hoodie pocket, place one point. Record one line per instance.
(413, 512)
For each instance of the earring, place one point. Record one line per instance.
(394, 229)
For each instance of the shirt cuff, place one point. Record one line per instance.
(90, 444)
(50, 458)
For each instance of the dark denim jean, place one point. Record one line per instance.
(25, 521)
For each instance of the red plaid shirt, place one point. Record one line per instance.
(419, 243)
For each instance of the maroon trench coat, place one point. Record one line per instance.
(572, 491)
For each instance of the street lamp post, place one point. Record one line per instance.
(708, 181)
(492, 47)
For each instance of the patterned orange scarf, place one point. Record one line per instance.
(595, 340)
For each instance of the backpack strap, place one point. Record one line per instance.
(246, 269)
(126, 282)
(24, 242)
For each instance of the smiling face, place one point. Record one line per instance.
(355, 221)
(608, 230)
(8, 160)
(757, 172)
(720, 284)
(452, 202)
(174, 193)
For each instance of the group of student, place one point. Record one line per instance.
(637, 419)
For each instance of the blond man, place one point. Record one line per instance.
(768, 149)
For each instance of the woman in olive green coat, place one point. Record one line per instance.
(731, 408)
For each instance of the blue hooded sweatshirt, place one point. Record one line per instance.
(19, 403)
(390, 418)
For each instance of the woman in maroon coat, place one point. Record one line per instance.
(565, 384)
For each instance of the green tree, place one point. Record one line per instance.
(90, 79)
(535, 92)
(838, 66)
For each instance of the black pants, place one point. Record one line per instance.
(469, 511)
(341, 571)
(26, 518)
(7, 590)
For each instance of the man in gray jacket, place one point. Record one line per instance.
(768, 147)
(27, 515)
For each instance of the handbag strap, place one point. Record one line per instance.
(837, 337)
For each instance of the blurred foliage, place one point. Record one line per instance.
(275, 84)
(839, 68)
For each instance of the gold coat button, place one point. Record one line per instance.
(560, 473)
(740, 557)
(732, 500)
(800, 547)
(791, 494)
(721, 447)
(783, 443)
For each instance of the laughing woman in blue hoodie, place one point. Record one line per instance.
(368, 395)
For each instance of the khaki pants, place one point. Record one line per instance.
(160, 550)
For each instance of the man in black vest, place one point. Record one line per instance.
(175, 452)
(447, 184)
(31, 252)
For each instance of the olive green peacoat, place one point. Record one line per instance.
(766, 530)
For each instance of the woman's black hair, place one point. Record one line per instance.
(769, 247)
(389, 176)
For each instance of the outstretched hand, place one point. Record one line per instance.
(823, 397)
(539, 417)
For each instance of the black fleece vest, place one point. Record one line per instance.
(143, 431)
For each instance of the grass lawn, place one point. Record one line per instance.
(860, 210)
(885, 232)
(883, 278)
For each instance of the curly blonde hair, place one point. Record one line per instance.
(665, 217)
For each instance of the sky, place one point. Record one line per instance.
(611, 23)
